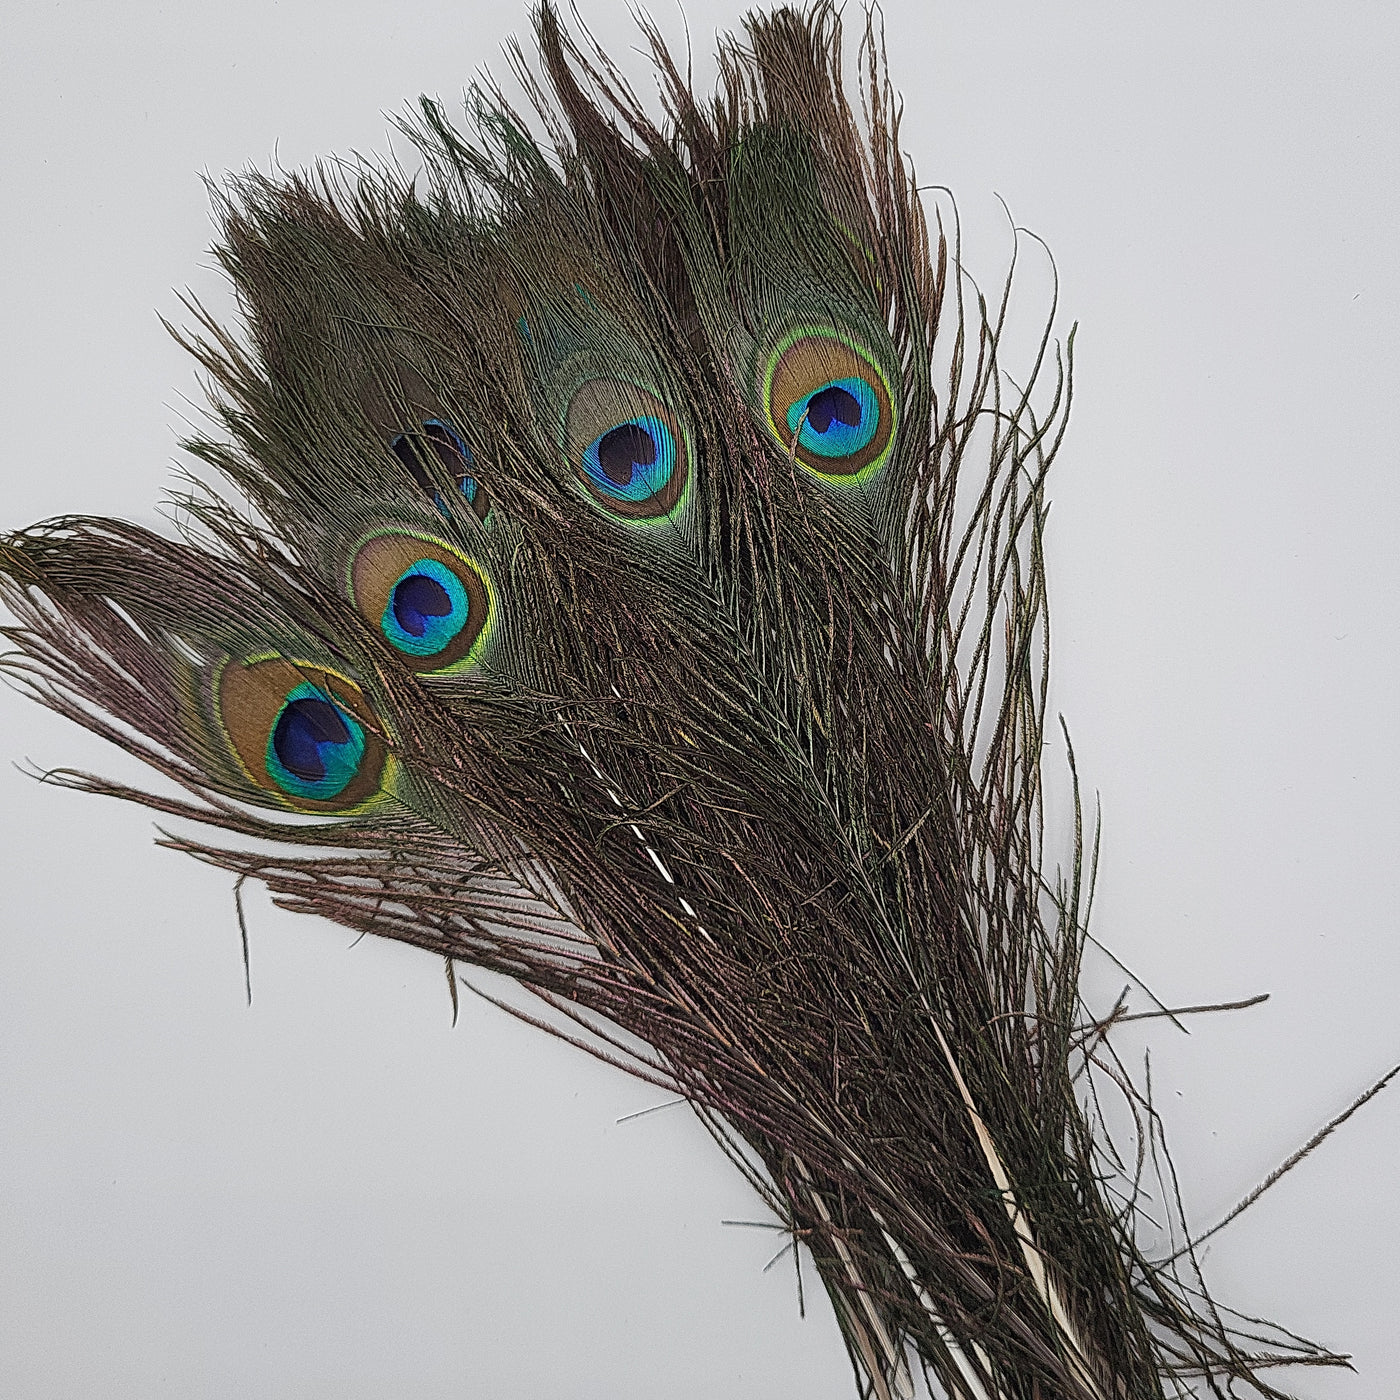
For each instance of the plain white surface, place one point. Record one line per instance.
(334, 1194)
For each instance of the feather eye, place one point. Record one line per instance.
(439, 442)
(627, 449)
(829, 404)
(301, 732)
(428, 602)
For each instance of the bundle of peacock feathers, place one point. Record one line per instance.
(631, 581)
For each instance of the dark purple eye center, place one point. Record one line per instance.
(302, 728)
(417, 600)
(623, 450)
(833, 404)
(436, 440)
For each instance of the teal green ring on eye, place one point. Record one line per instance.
(632, 461)
(315, 747)
(838, 418)
(426, 609)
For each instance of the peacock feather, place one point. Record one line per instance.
(629, 578)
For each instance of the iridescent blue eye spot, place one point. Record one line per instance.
(632, 461)
(315, 748)
(627, 449)
(453, 453)
(427, 608)
(419, 601)
(431, 604)
(442, 442)
(838, 419)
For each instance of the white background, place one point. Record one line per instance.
(335, 1194)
